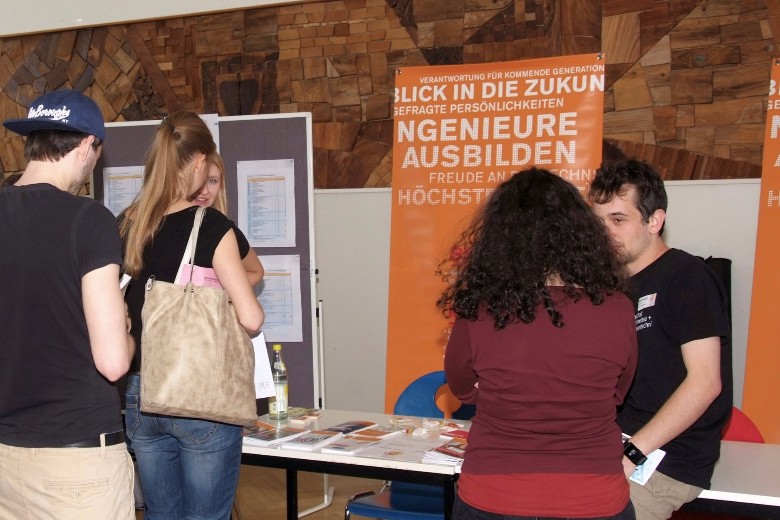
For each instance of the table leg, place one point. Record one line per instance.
(449, 499)
(292, 494)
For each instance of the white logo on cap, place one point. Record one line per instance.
(55, 114)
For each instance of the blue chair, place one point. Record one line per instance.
(419, 398)
(402, 500)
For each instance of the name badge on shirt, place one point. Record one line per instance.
(646, 301)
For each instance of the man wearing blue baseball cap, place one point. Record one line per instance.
(63, 327)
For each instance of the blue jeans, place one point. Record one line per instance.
(188, 467)
(462, 511)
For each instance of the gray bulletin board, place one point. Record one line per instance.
(125, 145)
(249, 138)
(283, 136)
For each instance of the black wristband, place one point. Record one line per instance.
(633, 453)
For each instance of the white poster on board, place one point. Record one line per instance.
(120, 186)
(212, 121)
(280, 295)
(266, 202)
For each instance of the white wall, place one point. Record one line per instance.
(352, 241)
(720, 218)
(352, 234)
(36, 16)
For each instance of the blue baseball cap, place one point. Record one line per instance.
(61, 110)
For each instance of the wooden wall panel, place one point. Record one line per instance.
(686, 79)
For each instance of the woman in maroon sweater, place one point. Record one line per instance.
(544, 344)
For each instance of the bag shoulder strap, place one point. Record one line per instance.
(189, 252)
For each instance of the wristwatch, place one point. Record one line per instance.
(633, 453)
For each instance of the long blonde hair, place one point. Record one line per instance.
(177, 140)
(220, 201)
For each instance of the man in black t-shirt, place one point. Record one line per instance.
(64, 333)
(681, 397)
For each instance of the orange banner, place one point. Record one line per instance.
(762, 393)
(459, 131)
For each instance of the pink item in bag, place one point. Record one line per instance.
(201, 277)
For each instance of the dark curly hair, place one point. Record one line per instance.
(533, 226)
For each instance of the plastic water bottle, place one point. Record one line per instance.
(277, 406)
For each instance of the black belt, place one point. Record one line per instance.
(111, 440)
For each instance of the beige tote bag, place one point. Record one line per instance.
(197, 360)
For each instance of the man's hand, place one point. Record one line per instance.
(697, 391)
(628, 467)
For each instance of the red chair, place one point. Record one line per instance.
(738, 428)
(741, 428)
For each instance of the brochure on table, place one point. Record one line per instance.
(311, 441)
(404, 448)
(349, 445)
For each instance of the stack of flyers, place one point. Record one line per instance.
(302, 417)
(402, 448)
(264, 434)
(350, 426)
(454, 433)
(312, 440)
(348, 445)
(383, 431)
(450, 453)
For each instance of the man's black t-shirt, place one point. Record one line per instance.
(678, 299)
(51, 393)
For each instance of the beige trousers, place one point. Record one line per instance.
(660, 496)
(66, 483)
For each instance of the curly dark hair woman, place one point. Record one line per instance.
(544, 441)
(533, 230)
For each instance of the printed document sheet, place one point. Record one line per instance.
(120, 186)
(280, 296)
(264, 380)
(266, 202)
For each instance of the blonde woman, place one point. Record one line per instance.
(212, 195)
(188, 467)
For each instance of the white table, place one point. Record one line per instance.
(746, 481)
(351, 465)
